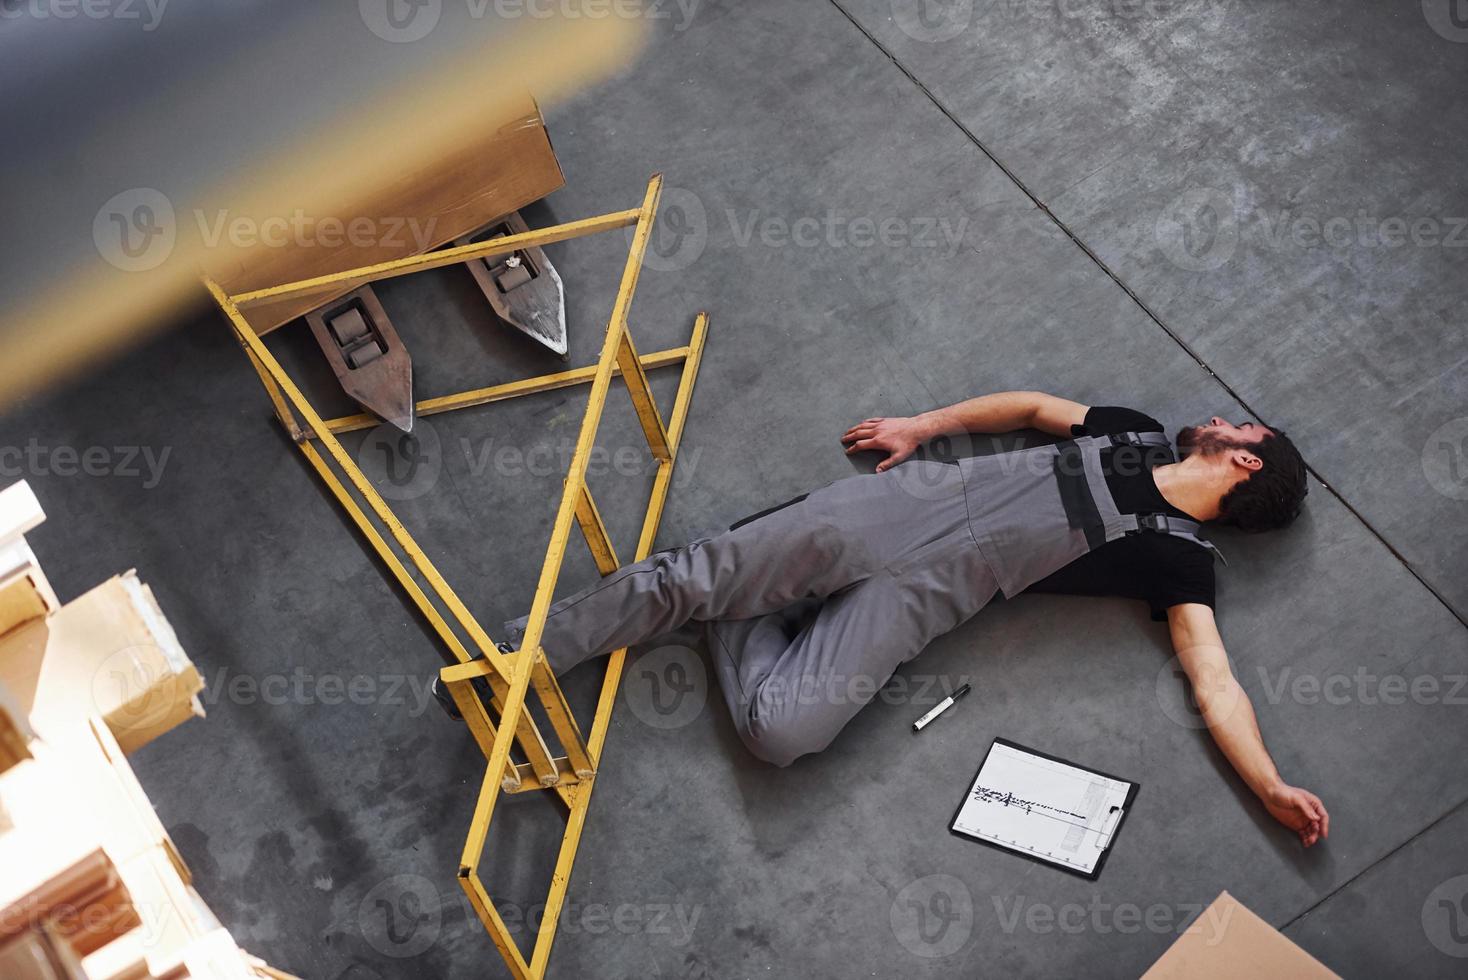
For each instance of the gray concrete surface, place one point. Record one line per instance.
(834, 199)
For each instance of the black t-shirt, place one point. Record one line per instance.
(1159, 569)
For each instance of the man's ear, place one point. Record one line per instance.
(1248, 461)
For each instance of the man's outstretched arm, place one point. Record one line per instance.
(1005, 411)
(1231, 722)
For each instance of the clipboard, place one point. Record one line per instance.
(1044, 808)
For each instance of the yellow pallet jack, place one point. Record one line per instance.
(512, 678)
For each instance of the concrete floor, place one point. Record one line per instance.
(1112, 201)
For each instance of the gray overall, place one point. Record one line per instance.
(810, 608)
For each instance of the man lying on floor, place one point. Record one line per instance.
(854, 579)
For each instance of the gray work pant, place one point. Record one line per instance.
(809, 610)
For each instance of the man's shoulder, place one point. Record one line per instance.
(1106, 420)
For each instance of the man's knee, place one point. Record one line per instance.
(775, 745)
(780, 738)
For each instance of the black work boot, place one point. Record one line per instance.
(445, 699)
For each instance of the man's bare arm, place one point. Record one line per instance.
(1230, 718)
(1005, 411)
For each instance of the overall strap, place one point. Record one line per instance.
(1139, 439)
(1113, 523)
(1178, 527)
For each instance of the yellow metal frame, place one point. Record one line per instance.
(511, 677)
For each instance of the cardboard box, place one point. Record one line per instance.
(109, 653)
(500, 172)
(1227, 941)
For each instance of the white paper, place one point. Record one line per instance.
(1049, 810)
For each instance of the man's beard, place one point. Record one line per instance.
(1199, 439)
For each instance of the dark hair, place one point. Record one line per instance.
(1272, 495)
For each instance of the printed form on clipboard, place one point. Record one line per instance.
(1045, 808)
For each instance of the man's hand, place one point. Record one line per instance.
(1301, 811)
(899, 438)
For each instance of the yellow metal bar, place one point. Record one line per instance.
(576, 477)
(642, 400)
(468, 702)
(595, 531)
(513, 389)
(560, 534)
(493, 659)
(277, 400)
(439, 259)
(661, 482)
(553, 700)
(494, 925)
(576, 821)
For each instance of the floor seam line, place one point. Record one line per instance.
(1347, 883)
(1075, 239)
